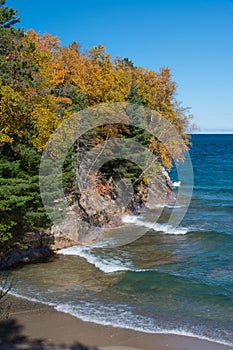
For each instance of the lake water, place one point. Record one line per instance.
(166, 281)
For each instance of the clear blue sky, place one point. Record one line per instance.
(193, 37)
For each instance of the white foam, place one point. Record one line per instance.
(108, 316)
(105, 265)
(131, 219)
(112, 264)
(100, 317)
(170, 206)
(165, 228)
(161, 205)
(176, 184)
(34, 300)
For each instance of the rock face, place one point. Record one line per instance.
(74, 231)
(85, 223)
(157, 192)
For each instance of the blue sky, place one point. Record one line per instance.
(194, 38)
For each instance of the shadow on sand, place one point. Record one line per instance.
(12, 338)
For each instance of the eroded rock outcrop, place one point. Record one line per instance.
(73, 230)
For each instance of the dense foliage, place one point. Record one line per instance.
(41, 84)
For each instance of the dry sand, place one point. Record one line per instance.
(38, 325)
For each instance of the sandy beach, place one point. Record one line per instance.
(37, 326)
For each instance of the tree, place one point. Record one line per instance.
(21, 207)
(8, 16)
(15, 69)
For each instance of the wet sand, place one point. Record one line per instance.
(37, 325)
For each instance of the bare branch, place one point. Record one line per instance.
(5, 287)
(98, 155)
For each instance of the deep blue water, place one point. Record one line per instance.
(177, 282)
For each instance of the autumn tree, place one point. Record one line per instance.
(43, 83)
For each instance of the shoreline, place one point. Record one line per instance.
(31, 323)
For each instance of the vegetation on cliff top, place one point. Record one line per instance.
(43, 83)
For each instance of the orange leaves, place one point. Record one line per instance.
(57, 74)
(104, 187)
(45, 43)
(66, 80)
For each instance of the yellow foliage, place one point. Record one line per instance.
(45, 122)
(14, 116)
(64, 74)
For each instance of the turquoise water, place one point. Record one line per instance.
(177, 281)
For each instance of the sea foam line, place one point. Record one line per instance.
(119, 324)
(67, 309)
(165, 228)
(105, 265)
(170, 206)
(34, 300)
